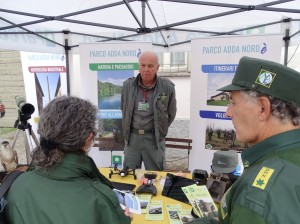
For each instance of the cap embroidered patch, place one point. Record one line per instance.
(265, 78)
(263, 177)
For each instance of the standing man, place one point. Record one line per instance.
(148, 107)
(265, 111)
(2, 109)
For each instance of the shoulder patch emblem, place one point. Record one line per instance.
(163, 96)
(263, 177)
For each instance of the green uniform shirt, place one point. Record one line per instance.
(269, 189)
(73, 193)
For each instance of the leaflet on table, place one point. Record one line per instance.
(128, 200)
(144, 202)
(202, 199)
(172, 211)
(155, 211)
(185, 216)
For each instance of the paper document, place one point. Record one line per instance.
(185, 216)
(155, 211)
(128, 200)
(172, 211)
(144, 202)
(201, 200)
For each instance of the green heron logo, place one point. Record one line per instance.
(265, 78)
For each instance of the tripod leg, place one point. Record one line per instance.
(15, 138)
(35, 138)
(28, 145)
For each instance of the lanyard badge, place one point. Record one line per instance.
(144, 105)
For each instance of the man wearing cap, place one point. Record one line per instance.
(265, 111)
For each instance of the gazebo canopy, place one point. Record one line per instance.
(43, 26)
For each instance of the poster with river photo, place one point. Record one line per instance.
(110, 84)
(48, 87)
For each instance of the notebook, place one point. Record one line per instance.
(123, 186)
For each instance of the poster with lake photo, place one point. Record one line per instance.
(103, 69)
(110, 84)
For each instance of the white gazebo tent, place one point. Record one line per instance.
(60, 26)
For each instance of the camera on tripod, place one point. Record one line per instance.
(25, 110)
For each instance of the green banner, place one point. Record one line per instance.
(114, 66)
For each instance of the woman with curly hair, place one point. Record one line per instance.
(64, 185)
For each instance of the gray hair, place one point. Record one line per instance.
(65, 124)
(151, 54)
(283, 110)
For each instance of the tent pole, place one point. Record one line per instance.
(143, 14)
(286, 45)
(67, 48)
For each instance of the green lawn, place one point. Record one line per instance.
(5, 131)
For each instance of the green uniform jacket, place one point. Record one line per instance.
(75, 192)
(269, 189)
(164, 107)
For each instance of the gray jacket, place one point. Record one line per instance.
(164, 107)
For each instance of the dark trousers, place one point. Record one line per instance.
(143, 148)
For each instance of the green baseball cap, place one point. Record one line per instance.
(266, 77)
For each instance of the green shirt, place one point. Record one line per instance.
(269, 189)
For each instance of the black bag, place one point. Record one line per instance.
(5, 185)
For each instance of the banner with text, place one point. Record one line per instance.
(214, 62)
(104, 68)
(44, 79)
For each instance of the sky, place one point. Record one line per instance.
(215, 81)
(52, 79)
